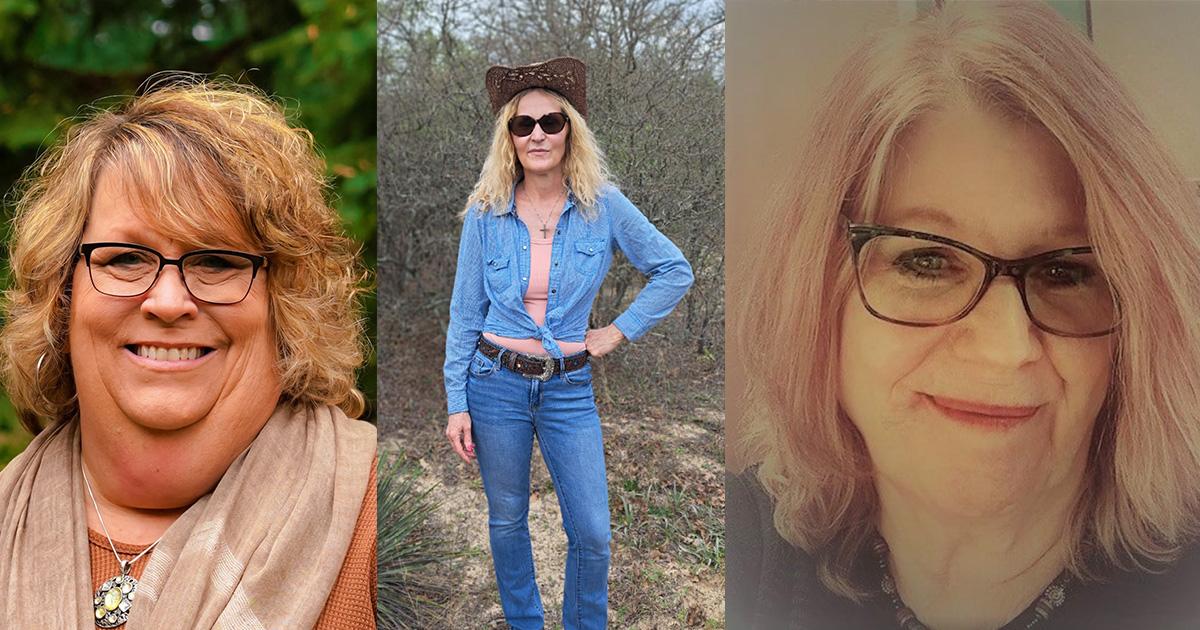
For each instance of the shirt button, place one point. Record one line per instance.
(523, 278)
(554, 290)
(524, 247)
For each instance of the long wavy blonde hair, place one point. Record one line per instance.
(584, 165)
(1141, 502)
(211, 160)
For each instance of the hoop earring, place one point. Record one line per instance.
(37, 383)
(37, 372)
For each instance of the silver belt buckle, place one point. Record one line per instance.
(547, 370)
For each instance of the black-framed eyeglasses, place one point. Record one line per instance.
(921, 279)
(216, 276)
(552, 123)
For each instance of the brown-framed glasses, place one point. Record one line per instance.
(922, 279)
(216, 276)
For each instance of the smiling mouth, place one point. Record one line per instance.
(983, 414)
(157, 353)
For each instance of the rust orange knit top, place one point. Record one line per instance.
(351, 603)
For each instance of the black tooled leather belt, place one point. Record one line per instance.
(530, 366)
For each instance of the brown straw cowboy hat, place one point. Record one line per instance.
(564, 75)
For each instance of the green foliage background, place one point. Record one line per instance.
(316, 56)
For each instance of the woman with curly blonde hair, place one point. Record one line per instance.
(985, 415)
(181, 335)
(539, 233)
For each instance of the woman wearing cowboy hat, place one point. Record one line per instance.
(539, 232)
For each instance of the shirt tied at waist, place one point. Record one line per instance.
(549, 343)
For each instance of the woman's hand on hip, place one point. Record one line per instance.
(601, 341)
(458, 431)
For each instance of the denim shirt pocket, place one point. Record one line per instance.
(588, 257)
(499, 275)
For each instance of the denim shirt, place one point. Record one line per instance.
(493, 274)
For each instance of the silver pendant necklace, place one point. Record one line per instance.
(560, 199)
(114, 599)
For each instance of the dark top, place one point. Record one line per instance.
(772, 585)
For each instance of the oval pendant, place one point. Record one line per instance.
(113, 600)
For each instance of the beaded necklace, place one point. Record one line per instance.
(1052, 597)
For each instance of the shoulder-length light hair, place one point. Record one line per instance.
(583, 165)
(208, 161)
(1142, 492)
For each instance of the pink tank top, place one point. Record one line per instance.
(538, 292)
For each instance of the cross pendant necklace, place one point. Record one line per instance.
(544, 220)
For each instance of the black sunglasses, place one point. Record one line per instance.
(552, 123)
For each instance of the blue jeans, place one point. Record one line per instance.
(507, 410)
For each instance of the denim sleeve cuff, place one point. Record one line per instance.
(456, 404)
(630, 325)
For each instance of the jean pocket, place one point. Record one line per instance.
(498, 273)
(582, 376)
(482, 365)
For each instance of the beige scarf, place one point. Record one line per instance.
(263, 550)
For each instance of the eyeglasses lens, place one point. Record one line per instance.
(521, 126)
(553, 123)
(1071, 294)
